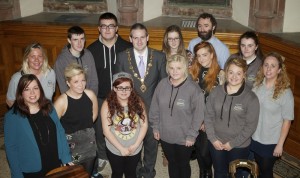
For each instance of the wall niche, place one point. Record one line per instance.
(75, 6)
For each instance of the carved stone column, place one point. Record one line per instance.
(266, 15)
(128, 11)
(9, 9)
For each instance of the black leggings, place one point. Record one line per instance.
(123, 164)
(179, 159)
(265, 165)
(88, 165)
(202, 152)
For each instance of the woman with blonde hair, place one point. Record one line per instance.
(176, 112)
(77, 109)
(206, 71)
(35, 62)
(231, 118)
(272, 87)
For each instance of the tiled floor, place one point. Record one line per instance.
(161, 171)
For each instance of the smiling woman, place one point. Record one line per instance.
(34, 137)
(125, 124)
(77, 120)
(35, 62)
(231, 119)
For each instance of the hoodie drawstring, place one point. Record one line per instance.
(230, 111)
(173, 100)
(115, 54)
(104, 56)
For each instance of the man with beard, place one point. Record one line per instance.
(206, 26)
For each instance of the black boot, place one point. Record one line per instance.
(206, 174)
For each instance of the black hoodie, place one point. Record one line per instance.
(105, 60)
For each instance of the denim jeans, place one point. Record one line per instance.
(222, 158)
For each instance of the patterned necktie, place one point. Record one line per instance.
(141, 67)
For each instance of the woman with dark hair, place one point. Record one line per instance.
(231, 118)
(206, 72)
(77, 109)
(35, 62)
(249, 50)
(125, 124)
(34, 139)
(173, 43)
(272, 87)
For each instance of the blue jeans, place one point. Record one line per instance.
(222, 158)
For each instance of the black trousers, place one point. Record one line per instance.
(146, 167)
(202, 152)
(265, 165)
(123, 164)
(179, 159)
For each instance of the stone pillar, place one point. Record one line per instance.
(128, 11)
(266, 15)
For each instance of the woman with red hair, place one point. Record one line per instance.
(206, 71)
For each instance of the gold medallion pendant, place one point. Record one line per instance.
(143, 88)
(135, 74)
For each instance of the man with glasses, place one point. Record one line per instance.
(206, 26)
(148, 67)
(105, 50)
(74, 52)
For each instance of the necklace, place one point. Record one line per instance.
(40, 134)
(135, 74)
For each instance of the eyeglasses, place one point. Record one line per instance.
(173, 39)
(123, 88)
(104, 27)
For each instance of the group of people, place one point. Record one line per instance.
(119, 98)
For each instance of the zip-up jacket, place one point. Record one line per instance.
(86, 60)
(105, 60)
(176, 113)
(231, 117)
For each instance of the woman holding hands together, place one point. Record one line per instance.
(125, 124)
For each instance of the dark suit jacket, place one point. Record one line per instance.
(156, 72)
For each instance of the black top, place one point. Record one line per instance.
(202, 84)
(79, 114)
(105, 61)
(44, 131)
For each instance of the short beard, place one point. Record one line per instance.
(207, 36)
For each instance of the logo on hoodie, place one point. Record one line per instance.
(238, 107)
(180, 103)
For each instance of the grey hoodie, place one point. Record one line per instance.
(177, 113)
(231, 118)
(86, 60)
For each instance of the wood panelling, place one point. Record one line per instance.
(15, 36)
